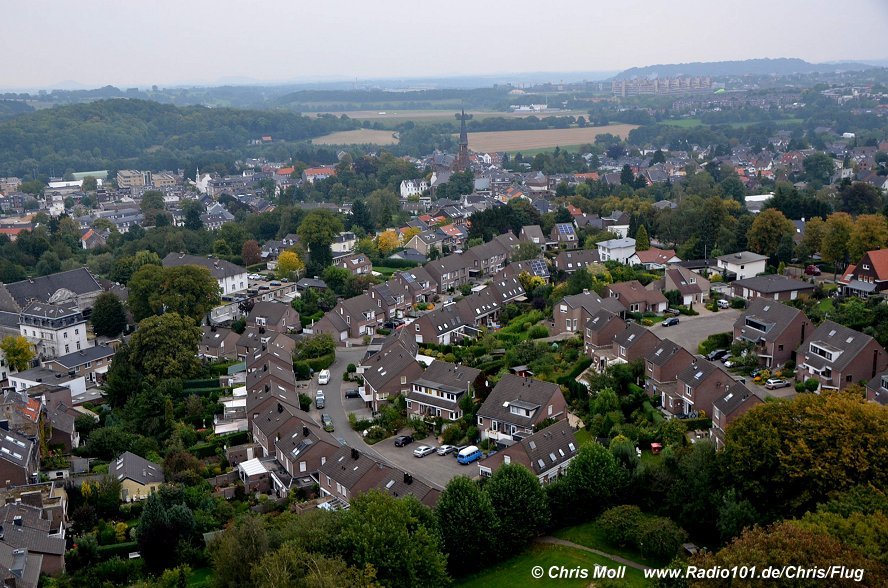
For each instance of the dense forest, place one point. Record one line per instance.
(114, 133)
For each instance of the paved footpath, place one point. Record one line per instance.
(556, 541)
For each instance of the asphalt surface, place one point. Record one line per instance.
(691, 330)
(435, 470)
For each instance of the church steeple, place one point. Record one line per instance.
(462, 158)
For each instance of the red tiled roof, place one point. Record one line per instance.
(848, 273)
(879, 259)
(285, 171)
(654, 255)
(320, 171)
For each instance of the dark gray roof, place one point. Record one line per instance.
(550, 447)
(306, 283)
(878, 387)
(386, 365)
(21, 566)
(448, 376)
(632, 334)
(736, 395)
(83, 356)
(347, 468)
(833, 336)
(51, 311)
(772, 315)
(511, 389)
(15, 449)
(138, 469)
(78, 281)
(219, 268)
(698, 372)
(771, 284)
(34, 540)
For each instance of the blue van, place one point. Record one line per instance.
(468, 455)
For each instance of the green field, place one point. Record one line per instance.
(532, 152)
(393, 117)
(517, 571)
(592, 535)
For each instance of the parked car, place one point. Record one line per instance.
(423, 450)
(445, 449)
(722, 303)
(352, 393)
(457, 449)
(729, 363)
(670, 322)
(717, 354)
(468, 455)
(812, 270)
(320, 399)
(672, 311)
(324, 377)
(327, 422)
(403, 440)
(774, 383)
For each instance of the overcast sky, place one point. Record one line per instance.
(170, 42)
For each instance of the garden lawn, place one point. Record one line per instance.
(200, 578)
(592, 535)
(516, 571)
(387, 272)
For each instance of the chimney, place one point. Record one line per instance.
(280, 408)
(19, 558)
(408, 479)
(144, 473)
(305, 431)
(355, 453)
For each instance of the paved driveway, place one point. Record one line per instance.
(691, 330)
(434, 470)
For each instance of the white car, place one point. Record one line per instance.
(423, 450)
(445, 449)
(324, 377)
(722, 303)
(320, 399)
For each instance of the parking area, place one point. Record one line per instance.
(691, 330)
(434, 468)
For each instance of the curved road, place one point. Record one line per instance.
(434, 470)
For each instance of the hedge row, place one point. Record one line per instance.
(202, 383)
(303, 368)
(121, 550)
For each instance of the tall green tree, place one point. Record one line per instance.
(398, 536)
(193, 209)
(317, 231)
(591, 481)
(520, 505)
(244, 541)
(861, 198)
(834, 246)
(108, 316)
(154, 534)
(819, 168)
(468, 525)
(165, 347)
(188, 290)
(642, 241)
(767, 231)
(143, 287)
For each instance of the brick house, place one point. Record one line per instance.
(837, 356)
(775, 329)
(772, 287)
(516, 405)
(735, 403)
(440, 388)
(698, 387)
(571, 314)
(661, 369)
(546, 453)
(868, 276)
(636, 298)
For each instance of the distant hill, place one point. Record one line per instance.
(779, 66)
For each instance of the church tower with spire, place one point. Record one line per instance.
(462, 158)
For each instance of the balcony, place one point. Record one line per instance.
(366, 394)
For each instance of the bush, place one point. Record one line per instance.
(738, 303)
(620, 523)
(799, 386)
(811, 385)
(646, 322)
(304, 402)
(538, 332)
(351, 368)
(659, 537)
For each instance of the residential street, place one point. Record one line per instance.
(434, 470)
(691, 330)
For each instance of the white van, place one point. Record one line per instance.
(324, 377)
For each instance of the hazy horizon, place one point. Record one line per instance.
(94, 43)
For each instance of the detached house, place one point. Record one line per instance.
(654, 259)
(546, 453)
(868, 276)
(576, 259)
(743, 264)
(837, 356)
(776, 330)
(691, 286)
(619, 250)
(516, 405)
(138, 477)
(437, 392)
(564, 235)
(772, 287)
(533, 234)
(357, 264)
(636, 298)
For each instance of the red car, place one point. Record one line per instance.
(812, 270)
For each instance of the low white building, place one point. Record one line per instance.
(743, 264)
(616, 249)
